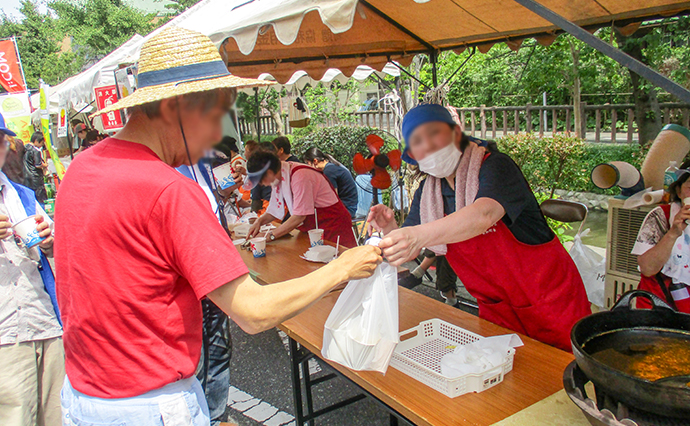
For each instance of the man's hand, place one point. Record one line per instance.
(44, 231)
(679, 225)
(358, 262)
(401, 245)
(5, 227)
(381, 218)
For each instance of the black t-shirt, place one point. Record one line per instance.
(344, 184)
(499, 179)
(261, 193)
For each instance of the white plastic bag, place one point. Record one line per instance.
(362, 330)
(592, 268)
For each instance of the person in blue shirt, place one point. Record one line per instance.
(339, 176)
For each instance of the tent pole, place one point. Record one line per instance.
(433, 57)
(617, 55)
(258, 118)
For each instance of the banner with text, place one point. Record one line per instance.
(107, 95)
(11, 77)
(17, 112)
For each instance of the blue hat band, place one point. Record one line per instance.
(183, 74)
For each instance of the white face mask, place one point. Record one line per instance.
(443, 162)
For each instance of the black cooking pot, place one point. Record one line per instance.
(626, 329)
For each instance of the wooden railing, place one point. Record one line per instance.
(600, 123)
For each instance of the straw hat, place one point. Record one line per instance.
(177, 62)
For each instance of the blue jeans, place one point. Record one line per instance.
(214, 366)
(180, 403)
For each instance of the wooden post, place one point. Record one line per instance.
(597, 128)
(482, 121)
(567, 120)
(517, 122)
(493, 123)
(462, 119)
(554, 121)
(541, 122)
(528, 118)
(686, 117)
(614, 127)
(667, 116)
(505, 123)
(473, 121)
(631, 119)
(583, 114)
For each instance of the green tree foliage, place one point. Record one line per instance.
(98, 27)
(91, 28)
(38, 40)
(179, 6)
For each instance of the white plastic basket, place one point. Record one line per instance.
(420, 357)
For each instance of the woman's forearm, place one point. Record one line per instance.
(287, 227)
(654, 259)
(462, 225)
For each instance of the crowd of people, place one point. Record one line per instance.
(133, 327)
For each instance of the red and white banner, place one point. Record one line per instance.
(107, 95)
(11, 77)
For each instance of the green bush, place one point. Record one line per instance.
(565, 162)
(342, 142)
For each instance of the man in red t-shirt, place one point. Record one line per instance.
(138, 247)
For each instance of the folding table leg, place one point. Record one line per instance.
(296, 382)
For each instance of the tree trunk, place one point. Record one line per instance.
(278, 119)
(647, 111)
(576, 90)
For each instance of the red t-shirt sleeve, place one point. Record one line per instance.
(191, 240)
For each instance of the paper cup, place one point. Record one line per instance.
(27, 232)
(316, 237)
(223, 175)
(258, 246)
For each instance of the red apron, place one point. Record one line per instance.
(531, 289)
(334, 220)
(652, 285)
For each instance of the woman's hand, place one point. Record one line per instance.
(358, 263)
(401, 245)
(679, 225)
(254, 229)
(44, 231)
(5, 227)
(381, 218)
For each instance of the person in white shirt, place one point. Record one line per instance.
(32, 367)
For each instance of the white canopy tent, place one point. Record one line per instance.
(77, 91)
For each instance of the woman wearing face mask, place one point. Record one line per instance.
(477, 208)
(301, 190)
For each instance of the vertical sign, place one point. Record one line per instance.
(107, 95)
(62, 122)
(11, 76)
(17, 112)
(45, 127)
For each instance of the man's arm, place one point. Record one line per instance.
(256, 308)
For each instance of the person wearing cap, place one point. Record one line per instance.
(32, 367)
(663, 250)
(303, 192)
(142, 247)
(80, 130)
(35, 167)
(476, 208)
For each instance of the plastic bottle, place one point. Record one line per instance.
(670, 174)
